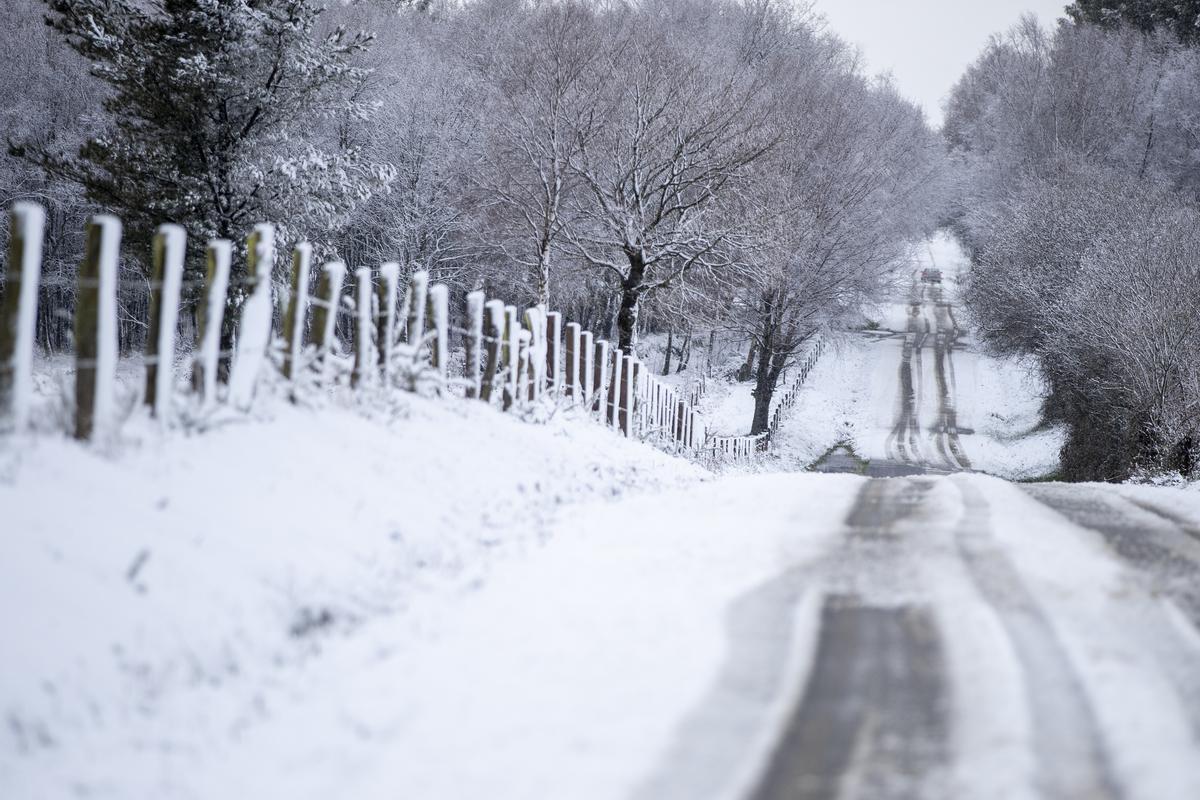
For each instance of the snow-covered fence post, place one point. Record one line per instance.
(524, 365)
(554, 352)
(537, 357)
(634, 405)
(418, 287)
(439, 318)
(96, 328)
(206, 369)
(329, 293)
(572, 382)
(680, 421)
(385, 333)
(600, 378)
(474, 343)
(494, 334)
(512, 363)
(614, 394)
(297, 311)
(364, 358)
(586, 377)
(18, 313)
(165, 282)
(629, 383)
(254, 327)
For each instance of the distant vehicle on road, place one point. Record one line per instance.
(931, 275)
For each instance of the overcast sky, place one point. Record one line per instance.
(926, 44)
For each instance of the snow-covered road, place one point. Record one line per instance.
(473, 607)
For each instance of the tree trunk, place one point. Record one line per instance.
(685, 356)
(712, 345)
(631, 292)
(770, 363)
(667, 356)
(747, 370)
(769, 369)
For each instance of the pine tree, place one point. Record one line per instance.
(212, 106)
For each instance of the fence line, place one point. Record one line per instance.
(517, 360)
(746, 448)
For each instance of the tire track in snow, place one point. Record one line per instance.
(1161, 548)
(1072, 761)
(871, 722)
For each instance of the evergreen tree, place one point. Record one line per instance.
(1180, 17)
(212, 106)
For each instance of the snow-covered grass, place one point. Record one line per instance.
(167, 597)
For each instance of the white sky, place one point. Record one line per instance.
(926, 44)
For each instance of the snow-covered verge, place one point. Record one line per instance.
(171, 597)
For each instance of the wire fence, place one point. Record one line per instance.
(399, 340)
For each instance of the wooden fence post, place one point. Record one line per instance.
(512, 353)
(206, 368)
(474, 343)
(537, 356)
(494, 333)
(254, 327)
(165, 282)
(297, 311)
(329, 295)
(364, 360)
(615, 378)
(586, 368)
(18, 314)
(524, 365)
(439, 317)
(600, 379)
(415, 300)
(385, 334)
(554, 353)
(96, 328)
(572, 382)
(629, 384)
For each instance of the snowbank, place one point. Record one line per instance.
(166, 600)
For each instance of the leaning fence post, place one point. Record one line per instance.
(209, 320)
(474, 343)
(18, 314)
(494, 333)
(364, 359)
(165, 282)
(329, 292)
(96, 328)
(385, 335)
(254, 327)
(554, 352)
(418, 286)
(439, 316)
(297, 311)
